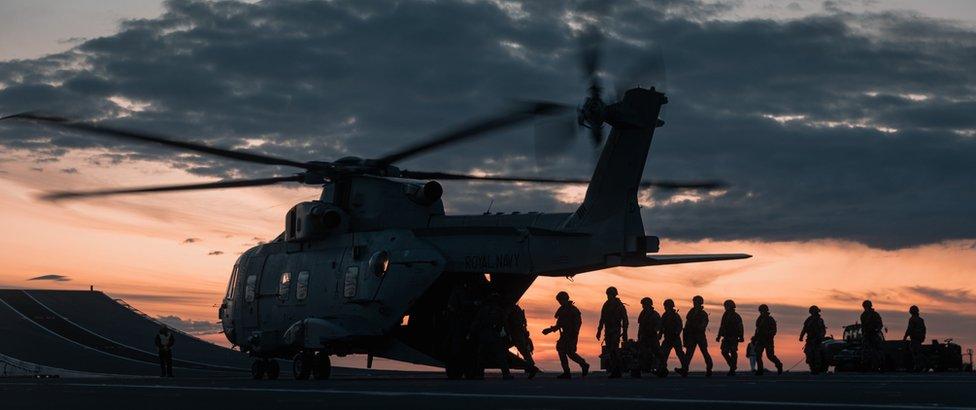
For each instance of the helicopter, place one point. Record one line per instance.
(368, 268)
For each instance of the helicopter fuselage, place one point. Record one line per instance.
(370, 267)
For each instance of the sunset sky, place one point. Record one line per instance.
(845, 128)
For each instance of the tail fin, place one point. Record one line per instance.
(610, 211)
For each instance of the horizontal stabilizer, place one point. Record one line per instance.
(655, 259)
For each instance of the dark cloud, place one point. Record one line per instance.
(191, 240)
(215, 253)
(52, 278)
(945, 295)
(193, 327)
(837, 125)
(69, 170)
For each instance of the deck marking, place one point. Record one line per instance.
(514, 396)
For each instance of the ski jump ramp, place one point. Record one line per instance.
(86, 332)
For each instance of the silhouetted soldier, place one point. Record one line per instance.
(613, 324)
(671, 327)
(488, 329)
(649, 336)
(568, 322)
(730, 333)
(518, 330)
(815, 330)
(915, 333)
(763, 339)
(164, 345)
(871, 327)
(696, 321)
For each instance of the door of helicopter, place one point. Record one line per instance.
(250, 280)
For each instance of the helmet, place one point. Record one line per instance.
(866, 304)
(698, 300)
(611, 291)
(729, 304)
(913, 310)
(562, 296)
(646, 302)
(763, 308)
(668, 303)
(814, 309)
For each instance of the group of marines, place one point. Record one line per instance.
(495, 328)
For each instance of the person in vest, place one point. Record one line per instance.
(568, 322)
(164, 345)
(488, 329)
(649, 337)
(915, 333)
(815, 330)
(730, 334)
(871, 328)
(671, 327)
(613, 324)
(517, 328)
(696, 321)
(763, 338)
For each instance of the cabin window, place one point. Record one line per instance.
(249, 288)
(352, 281)
(301, 288)
(283, 285)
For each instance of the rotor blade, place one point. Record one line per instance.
(147, 137)
(474, 129)
(553, 137)
(240, 183)
(590, 42)
(649, 71)
(644, 184)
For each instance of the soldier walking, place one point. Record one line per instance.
(696, 321)
(568, 322)
(164, 345)
(815, 330)
(613, 325)
(649, 336)
(915, 333)
(488, 329)
(871, 328)
(671, 327)
(730, 334)
(763, 339)
(517, 328)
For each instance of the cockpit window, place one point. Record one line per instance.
(301, 288)
(283, 285)
(232, 285)
(232, 282)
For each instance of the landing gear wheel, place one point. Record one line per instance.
(258, 368)
(302, 366)
(273, 369)
(453, 371)
(322, 366)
